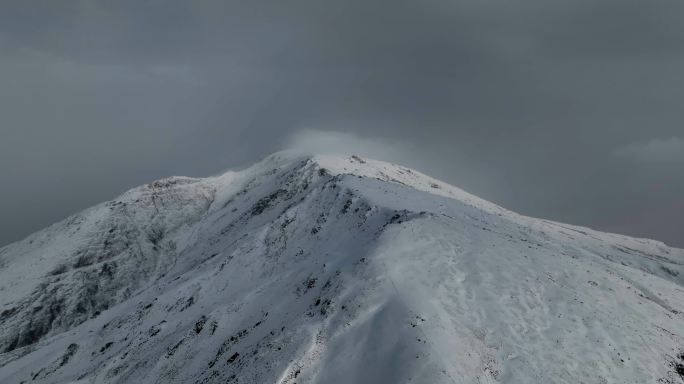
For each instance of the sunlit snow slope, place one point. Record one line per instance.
(325, 269)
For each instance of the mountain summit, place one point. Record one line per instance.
(327, 269)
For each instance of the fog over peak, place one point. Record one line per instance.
(568, 110)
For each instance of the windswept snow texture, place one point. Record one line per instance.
(324, 269)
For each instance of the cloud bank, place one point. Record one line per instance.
(655, 151)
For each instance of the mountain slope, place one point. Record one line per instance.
(326, 269)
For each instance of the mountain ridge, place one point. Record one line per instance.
(363, 271)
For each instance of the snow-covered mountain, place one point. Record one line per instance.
(326, 269)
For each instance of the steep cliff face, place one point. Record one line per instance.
(324, 269)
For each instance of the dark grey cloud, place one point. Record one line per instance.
(552, 109)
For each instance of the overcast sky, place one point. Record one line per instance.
(568, 110)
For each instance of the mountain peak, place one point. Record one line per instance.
(356, 165)
(333, 269)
